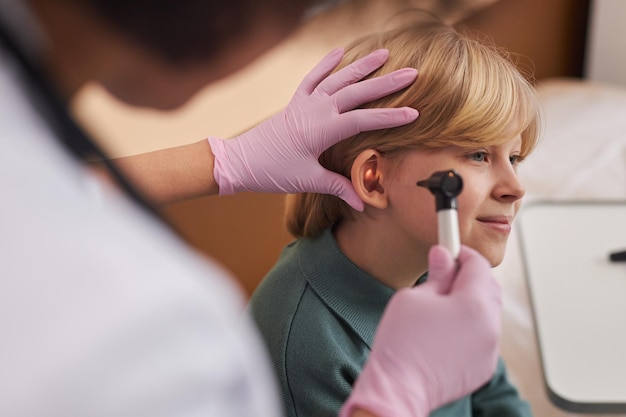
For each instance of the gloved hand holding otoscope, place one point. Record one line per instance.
(446, 186)
(452, 283)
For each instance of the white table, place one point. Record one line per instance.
(579, 300)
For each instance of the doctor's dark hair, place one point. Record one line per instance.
(187, 30)
(468, 93)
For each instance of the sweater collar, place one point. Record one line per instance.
(353, 294)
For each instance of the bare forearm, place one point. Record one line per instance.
(172, 174)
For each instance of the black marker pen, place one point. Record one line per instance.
(619, 256)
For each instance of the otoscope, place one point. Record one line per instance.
(446, 186)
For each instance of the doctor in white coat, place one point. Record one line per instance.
(104, 310)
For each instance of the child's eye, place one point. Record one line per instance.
(479, 156)
(515, 159)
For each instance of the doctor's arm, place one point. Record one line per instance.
(173, 174)
(280, 155)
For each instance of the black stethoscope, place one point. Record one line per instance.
(68, 133)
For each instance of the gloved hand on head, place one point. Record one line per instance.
(281, 154)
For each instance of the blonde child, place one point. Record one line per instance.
(319, 307)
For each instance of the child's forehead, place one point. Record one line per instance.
(503, 139)
(473, 141)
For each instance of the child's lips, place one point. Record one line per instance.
(498, 223)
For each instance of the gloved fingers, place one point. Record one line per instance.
(365, 91)
(479, 295)
(320, 72)
(329, 182)
(363, 120)
(441, 270)
(475, 277)
(353, 72)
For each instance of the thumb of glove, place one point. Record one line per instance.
(442, 269)
(340, 186)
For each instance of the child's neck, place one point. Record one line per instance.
(378, 251)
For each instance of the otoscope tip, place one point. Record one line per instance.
(423, 183)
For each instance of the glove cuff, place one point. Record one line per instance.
(380, 394)
(222, 168)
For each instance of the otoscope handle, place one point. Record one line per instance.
(446, 186)
(448, 227)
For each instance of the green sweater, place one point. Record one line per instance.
(318, 313)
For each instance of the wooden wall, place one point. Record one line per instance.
(550, 33)
(244, 232)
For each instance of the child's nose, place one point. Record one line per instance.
(509, 187)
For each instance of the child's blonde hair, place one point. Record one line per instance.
(468, 94)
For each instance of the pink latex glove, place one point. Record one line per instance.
(281, 154)
(436, 342)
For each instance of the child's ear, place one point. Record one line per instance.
(368, 178)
